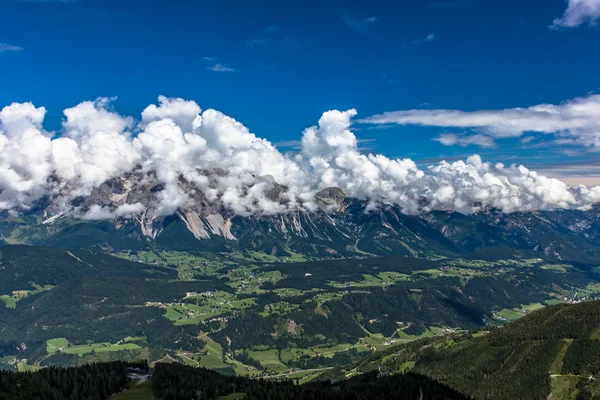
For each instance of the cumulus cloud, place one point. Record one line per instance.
(180, 111)
(577, 120)
(579, 12)
(178, 157)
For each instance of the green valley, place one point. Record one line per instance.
(280, 318)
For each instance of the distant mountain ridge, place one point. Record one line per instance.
(340, 227)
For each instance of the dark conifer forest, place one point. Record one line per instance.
(89, 382)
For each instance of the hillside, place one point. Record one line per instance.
(551, 353)
(554, 351)
(25, 268)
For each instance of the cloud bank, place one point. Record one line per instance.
(576, 121)
(578, 13)
(205, 156)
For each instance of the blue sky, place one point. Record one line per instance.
(277, 66)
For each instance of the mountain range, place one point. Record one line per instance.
(340, 227)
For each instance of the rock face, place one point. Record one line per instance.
(331, 198)
(340, 227)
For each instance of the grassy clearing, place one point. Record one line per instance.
(7, 359)
(242, 369)
(556, 367)
(402, 337)
(406, 366)
(188, 314)
(556, 267)
(376, 340)
(289, 292)
(509, 315)
(303, 376)
(192, 360)
(382, 279)
(135, 339)
(563, 387)
(532, 307)
(200, 307)
(269, 359)
(188, 265)
(590, 289)
(11, 300)
(62, 345)
(325, 297)
(329, 351)
(214, 355)
(53, 345)
(279, 308)
(294, 354)
(431, 273)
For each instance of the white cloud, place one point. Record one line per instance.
(452, 139)
(97, 212)
(94, 116)
(129, 210)
(578, 13)
(5, 47)
(185, 158)
(218, 67)
(576, 120)
(181, 111)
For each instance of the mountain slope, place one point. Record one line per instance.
(554, 350)
(343, 227)
(21, 267)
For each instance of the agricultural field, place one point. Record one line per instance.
(269, 359)
(62, 345)
(213, 355)
(516, 313)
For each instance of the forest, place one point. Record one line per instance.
(89, 382)
(553, 350)
(178, 382)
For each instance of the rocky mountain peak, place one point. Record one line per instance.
(332, 198)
